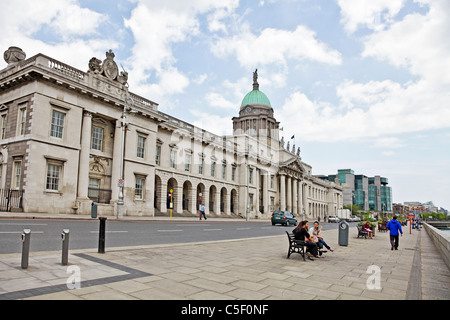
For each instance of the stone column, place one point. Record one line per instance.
(162, 196)
(205, 199)
(227, 203)
(192, 208)
(294, 197)
(266, 192)
(257, 177)
(83, 169)
(217, 202)
(289, 194)
(178, 199)
(299, 198)
(282, 193)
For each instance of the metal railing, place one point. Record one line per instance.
(11, 200)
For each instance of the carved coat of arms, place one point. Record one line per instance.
(108, 68)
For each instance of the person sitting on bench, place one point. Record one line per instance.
(301, 233)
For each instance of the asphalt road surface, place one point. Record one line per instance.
(84, 234)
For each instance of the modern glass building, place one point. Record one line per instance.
(370, 193)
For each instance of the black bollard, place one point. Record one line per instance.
(101, 235)
(65, 247)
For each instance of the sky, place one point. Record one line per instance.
(360, 84)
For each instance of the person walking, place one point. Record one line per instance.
(202, 212)
(394, 227)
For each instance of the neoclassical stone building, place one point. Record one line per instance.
(69, 138)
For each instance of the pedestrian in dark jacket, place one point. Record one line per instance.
(394, 227)
(301, 233)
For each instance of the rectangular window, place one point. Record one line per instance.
(22, 120)
(94, 188)
(200, 165)
(233, 173)
(57, 126)
(97, 138)
(224, 171)
(250, 176)
(187, 164)
(158, 155)
(3, 124)
(53, 177)
(139, 188)
(213, 169)
(173, 157)
(272, 181)
(17, 174)
(141, 147)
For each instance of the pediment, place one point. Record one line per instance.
(293, 167)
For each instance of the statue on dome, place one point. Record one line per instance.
(255, 80)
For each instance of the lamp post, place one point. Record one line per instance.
(126, 108)
(247, 215)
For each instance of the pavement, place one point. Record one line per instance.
(244, 269)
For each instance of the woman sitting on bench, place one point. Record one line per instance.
(368, 229)
(301, 233)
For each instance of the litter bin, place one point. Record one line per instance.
(94, 209)
(343, 233)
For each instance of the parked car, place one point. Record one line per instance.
(283, 217)
(355, 219)
(333, 219)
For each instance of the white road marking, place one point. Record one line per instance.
(111, 231)
(19, 232)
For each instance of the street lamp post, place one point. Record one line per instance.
(121, 182)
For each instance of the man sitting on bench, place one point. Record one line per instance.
(301, 233)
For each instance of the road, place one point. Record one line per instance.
(46, 234)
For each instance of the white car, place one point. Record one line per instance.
(333, 219)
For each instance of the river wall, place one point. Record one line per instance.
(441, 240)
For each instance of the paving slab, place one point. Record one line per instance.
(246, 269)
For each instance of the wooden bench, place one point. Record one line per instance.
(382, 226)
(297, 246)
(362, 232)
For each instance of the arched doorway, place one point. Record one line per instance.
(212, 199)
(187, 195)
(234, 204)
(200, 196)
(223, 200)
(172, 195)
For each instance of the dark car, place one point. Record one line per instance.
(283, 217)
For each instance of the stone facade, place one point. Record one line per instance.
(62, 136)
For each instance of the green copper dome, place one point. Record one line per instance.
(255, 97)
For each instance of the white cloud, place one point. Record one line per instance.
(212, 122)
(217, 100)
(275, 46)
(371, 14)
(418, 43)
(381, 109)
(157, 26)
(69, 29)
